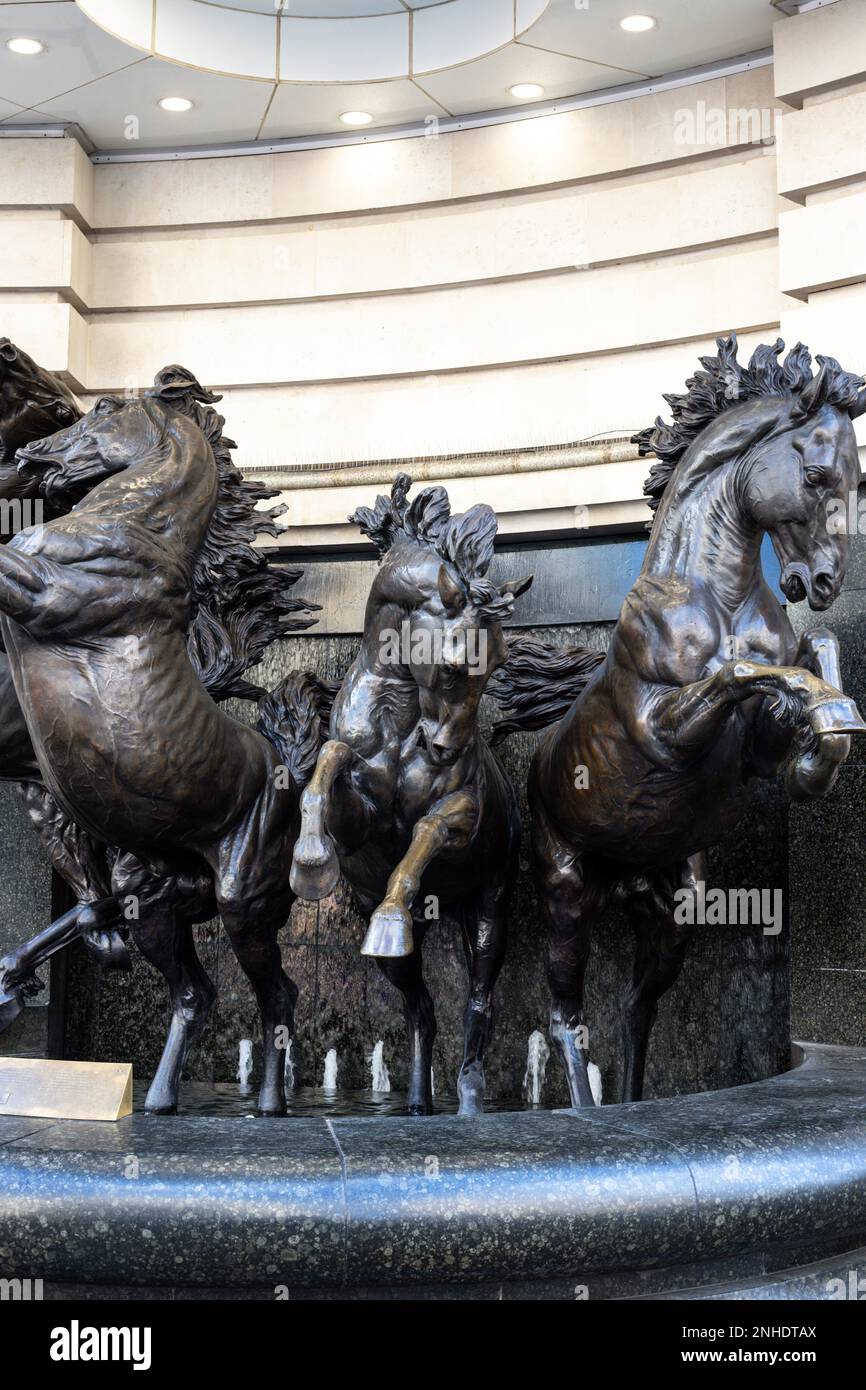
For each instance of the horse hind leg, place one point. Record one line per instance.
(254, 939)
(166, 940)
(484, 930)
(569, 901)
(662, 944)
(406, 974)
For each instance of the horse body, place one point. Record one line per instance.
(407, 799)
(705, 686)
(98, 608)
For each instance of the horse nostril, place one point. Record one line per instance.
(824, 583)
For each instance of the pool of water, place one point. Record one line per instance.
(311, 1102)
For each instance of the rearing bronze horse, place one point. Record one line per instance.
(407, 798)
(705, 686)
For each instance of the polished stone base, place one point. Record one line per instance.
(761, 1187)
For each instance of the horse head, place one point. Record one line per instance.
(787, 439)
(799, 478)
(33, 403)
(113, 437)
(116, 435)
(468, 646)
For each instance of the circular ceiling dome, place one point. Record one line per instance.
(332, 41)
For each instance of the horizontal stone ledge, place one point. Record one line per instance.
(585, 454)
(349, 1202)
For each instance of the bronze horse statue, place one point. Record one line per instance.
(33, 404)
(407, 798)
(705, 686)
(124, 621)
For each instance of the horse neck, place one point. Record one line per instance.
(703, 531)
(173, 494)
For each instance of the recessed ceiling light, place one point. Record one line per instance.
(28, 48)
(355, 117)
(638, 23)
(176, 104)
(526, 91)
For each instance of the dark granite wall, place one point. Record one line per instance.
(727, 1021)
(828, 852)
(25, 908)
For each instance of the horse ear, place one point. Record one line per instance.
(813, 394)
(450, 592)
(8, 350)
(513, 588)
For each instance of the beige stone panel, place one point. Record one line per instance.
(832, 323)
(823, 144)
(568, 315)
(819, 48)
(54, 334)
(323, 511)
(526, 234)
(460, 412)
(48, 253)
(823, 245)
(599, 141)
(46, 173)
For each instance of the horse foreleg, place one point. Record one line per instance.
(390, 930)
(18, 969)
(484, 930)
(22, 587)
(692, 717)
(81, 863)
(813, 772)
(315, 869)
(406, 974)
(661, 951)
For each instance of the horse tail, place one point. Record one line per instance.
(539, 683)
(294, 718)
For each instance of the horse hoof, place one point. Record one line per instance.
(271, 1112)
(419, 1110)
(389, 933)
(167, 1109)
(315, 870)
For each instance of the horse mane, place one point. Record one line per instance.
(465, 541)
(725, 383)
(240, 602)
(538, 684)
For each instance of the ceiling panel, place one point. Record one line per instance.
(76, 51)
(689, 31)
(484, 85)
(88, 76)
(299, 110)
(225, 109)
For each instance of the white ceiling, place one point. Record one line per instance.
(111, 86)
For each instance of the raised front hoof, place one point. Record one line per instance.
(839, 716)
(389, 934)
(315, 870)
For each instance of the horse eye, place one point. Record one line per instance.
(814, 477)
